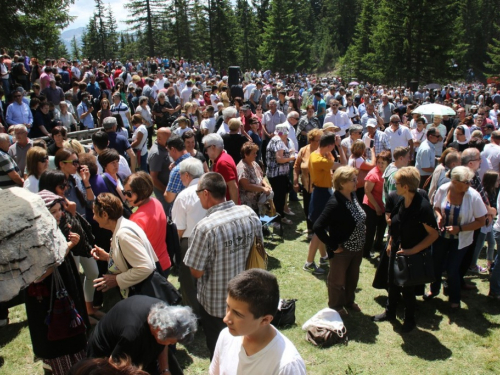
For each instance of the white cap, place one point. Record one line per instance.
(371, 122)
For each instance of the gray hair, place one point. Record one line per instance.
(192, 166)
(469, 154)
(161, 95)
(177, 322)
(273, 102)
(213, 139)
(461, 173)
(292, 114)
(109, 121)
(355, 128)
(143, 98)
(229, 113)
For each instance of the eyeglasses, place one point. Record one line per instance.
(469, 182)
(44, 159)
(74, 162)
(200, 190)
(296, 118)
(334, 105)
(127, 193)
(63, 186)
(395, 122)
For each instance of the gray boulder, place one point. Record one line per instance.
(30, 241)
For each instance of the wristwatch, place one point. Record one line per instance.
(165, 371)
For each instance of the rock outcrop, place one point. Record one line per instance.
(30, 241)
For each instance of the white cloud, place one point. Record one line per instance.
(83, 10)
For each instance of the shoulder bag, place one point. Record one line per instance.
(416, 269)
(155, 285)
(257, 258)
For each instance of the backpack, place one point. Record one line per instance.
(124, 74)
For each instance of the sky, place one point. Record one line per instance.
(83, 10)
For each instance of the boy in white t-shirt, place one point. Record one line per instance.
(250, 344)
(183, 126)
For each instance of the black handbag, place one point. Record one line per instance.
(155, 285)
(416, 269)
(381, 279)
(285, 316)
(173, 244)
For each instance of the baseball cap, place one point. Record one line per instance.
(371, 122)
(245, 107)
(331, 125)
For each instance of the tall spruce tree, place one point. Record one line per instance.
(144, 20)
(75, 50)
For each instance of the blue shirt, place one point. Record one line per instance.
(93, 89)
(174, 182)
(118, 142)
(87, 121)
(19, 114)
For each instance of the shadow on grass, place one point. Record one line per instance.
(361, 328)
(197, 348)
(433, 350)
(10, 332)
(183, 358)
(273, 263)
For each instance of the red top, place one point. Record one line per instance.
(153, 221)
(375, 176)
(226, 167)
(117, 73)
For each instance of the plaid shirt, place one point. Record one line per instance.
(219, 246)
(174, 182)
(381, 143)
(478, 186)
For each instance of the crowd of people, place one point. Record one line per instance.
(177, 143)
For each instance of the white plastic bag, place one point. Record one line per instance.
(327, 318)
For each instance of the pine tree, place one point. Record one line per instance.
(112, 34)
(75, 50)
(493, 65)
(280, 49)
(145, 18)
(247, 35)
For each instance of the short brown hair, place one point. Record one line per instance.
(343, 175)
(408, 176)
(247, 148)
(234, 124)
(109, 203)
(141, 184)
(137, 119)
(90, 161)
(358, 148)
(400, 152)
(313, 134)
(385, 156)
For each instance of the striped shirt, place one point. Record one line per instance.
(7, 165)
(219, 246)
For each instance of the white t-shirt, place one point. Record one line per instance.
(209, 124)
(31, 184)
(180, 131)
(214, 99)
(398, 138)
(355, 163)
(187, 210)
(186, 94)
(279, 357)
(224, 129)
(247, 90)
(143, 146)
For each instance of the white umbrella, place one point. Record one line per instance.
(434, 109)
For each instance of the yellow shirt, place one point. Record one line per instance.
(320, 169)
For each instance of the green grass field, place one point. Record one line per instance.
(466, 342)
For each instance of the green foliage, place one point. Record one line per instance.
(100, 38)
(493, 53)
(75, 50)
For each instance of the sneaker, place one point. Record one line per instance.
(323, 261)
(383, 317)
(315, 270)
(477, 269)
(286, 221)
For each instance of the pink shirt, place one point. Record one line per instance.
(375, 176)
(153, 221)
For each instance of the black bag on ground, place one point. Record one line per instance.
(285, 316)
(415, 269)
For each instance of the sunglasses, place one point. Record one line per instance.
(63, 186)
(44, 159)
(74, 162)
(127, 193)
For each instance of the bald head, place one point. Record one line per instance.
(162, 136)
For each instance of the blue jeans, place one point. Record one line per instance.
(495, 273)
(446, 256)
(479, 245)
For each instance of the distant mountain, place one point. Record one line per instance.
(67, 36)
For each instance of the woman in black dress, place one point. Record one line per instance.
(61, 354)
(413, 228)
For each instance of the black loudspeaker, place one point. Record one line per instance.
(234, 75)
(414, 86)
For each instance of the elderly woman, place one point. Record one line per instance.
(374, 205)
(142, 328)
(161, 111)
(59, 136)
(132, 258)
(459, 212)
(60, 354)
(341, 227)
(145, 112)
(278, 164)
(307, 123)
(37, 162)
(254, 191)
(150, 216)
(66, 117)
(301, 168)
(321, 164)
(140, 141)
(233, 141)
(358, 160)
(413, 229)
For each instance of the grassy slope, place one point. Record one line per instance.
(467, 342)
